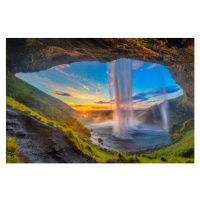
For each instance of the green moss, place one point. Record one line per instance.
(12, 151)
(182, 128)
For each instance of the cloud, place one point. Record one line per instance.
(63, 94)
(178, 93)
(66, 74)
(102, 102)
(98, 91)
(152, 66)
(77, 105)
(137, 64)
(62, 71)
(64, 66)
(71, 88)
(81, 105)
(79, 82)
(61, 66)
(35, 76)
(140, 97)
(168, 90)
(152, 101)
(98, 107)
(145, 96)
(86, 87)
(99, 86)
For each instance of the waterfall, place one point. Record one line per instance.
(163, 108)
(121, 98)
(164, 104)
(120, 87)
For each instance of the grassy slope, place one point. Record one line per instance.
(183, 148)
(44, 105)
(19, 106)
(178, 131)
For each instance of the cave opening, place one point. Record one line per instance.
(85, 87)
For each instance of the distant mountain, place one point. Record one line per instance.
(177, 112)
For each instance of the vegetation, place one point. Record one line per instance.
(19, 106)
(78, 140)
(180, 152)
(182, 128)
(12, 151)
(179, 111)
(43, 105)
(100, 140)
(178, 131)
(183, 148)
(86, 146)
(30, 100)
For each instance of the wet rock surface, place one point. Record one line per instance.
(39, 142)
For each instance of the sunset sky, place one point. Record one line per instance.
(84, 85)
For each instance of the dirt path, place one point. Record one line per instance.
(39, 142)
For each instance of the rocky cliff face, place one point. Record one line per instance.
(177, 54)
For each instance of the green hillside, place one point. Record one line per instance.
(184, 133)
(45, 105)
(177, 112)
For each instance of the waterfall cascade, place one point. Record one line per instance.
(120, 83)
(120, 90)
